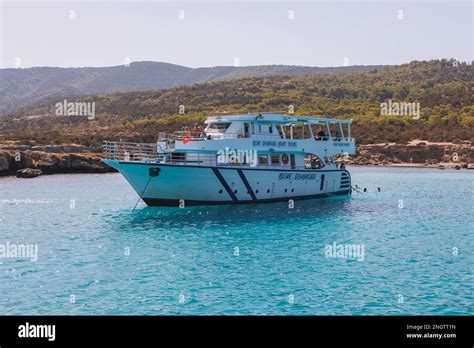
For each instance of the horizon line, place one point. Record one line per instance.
(228, 66)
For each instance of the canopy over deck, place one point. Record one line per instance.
(273, 118)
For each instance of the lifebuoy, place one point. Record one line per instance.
(284, 158)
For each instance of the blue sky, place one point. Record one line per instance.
(321, 33)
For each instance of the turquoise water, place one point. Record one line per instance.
(97, 256)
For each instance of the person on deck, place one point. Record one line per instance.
(187, 132)
(200, 131)
(322, 135)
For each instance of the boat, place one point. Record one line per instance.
(245, 158)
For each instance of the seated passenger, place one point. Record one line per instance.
(322, 135)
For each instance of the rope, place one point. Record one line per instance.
(139, 198)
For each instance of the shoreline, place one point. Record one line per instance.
(28, 161)
(395, 166)
(444, 166)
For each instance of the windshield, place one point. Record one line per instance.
(218, 127)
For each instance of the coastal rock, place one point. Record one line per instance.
(416, 153)
(72, 148)
(4, 163)
(12, 161)
(62, 148)
(28, 173)
(79, 163)
(25, 160)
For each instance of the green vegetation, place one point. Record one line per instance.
(444, 89)
(24, 87)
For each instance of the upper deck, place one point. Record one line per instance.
(265, 132)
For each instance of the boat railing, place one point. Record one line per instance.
(205, 159)
(202, 136)
(145, 152)
(334, 139)
(127, 151)
(181, 158)
(181, 135)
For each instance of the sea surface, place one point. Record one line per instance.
(98, 256)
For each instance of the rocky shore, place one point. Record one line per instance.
(25, 160)
(29, 161)
(416, 153)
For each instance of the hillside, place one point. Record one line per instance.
(23, 87)
(443, 90)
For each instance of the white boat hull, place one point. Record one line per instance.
(178, 185)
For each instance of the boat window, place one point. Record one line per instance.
(275, 159)
(335, 131)
(331, 131)
(220, 127)
(285, 131)
(301, 131)
(313, 162)
(178, 156)
(319, 131)
(246, 129)
(292, 161)
(263, 159)
(280, 131)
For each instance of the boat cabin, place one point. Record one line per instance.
(279, 140)
(258, 140)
